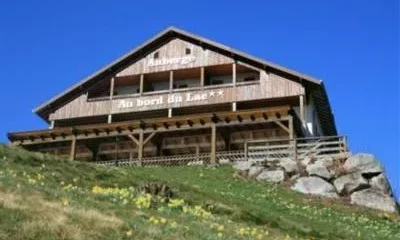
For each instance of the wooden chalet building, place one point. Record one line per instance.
(179, 94)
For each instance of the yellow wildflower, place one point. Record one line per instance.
(129, 233)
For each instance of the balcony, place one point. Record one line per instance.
(182, 80)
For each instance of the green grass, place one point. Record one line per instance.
(37, 203)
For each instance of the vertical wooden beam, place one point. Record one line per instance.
(234, 73)
(140, 147)
(294, 143)
(202, 77)
(302, 113)
(291, 129)
(112, 82)
(197, 152)
(72, 154)
(171, 81)
(213, 143)
(245, 150)
(141, 84)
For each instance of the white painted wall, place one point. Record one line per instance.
(313, 124)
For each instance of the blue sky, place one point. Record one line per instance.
(353, 46)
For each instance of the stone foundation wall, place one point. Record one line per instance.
(360, 178)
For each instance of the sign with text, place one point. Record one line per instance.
(170, 61)
(170, 99)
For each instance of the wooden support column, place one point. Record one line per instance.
(291, 129)
(213, 155)
(112, 83)
(202, 77)
(294, 145)
(72, 154)
(234, 73)
(140, 144)
(302, 112)
(141, 84)
(171, 81)
(140, 148)
(245, 150)
(197, 152)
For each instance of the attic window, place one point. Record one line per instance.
(156, 55)
(188, 51)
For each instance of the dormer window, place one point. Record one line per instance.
(156, 55)
(188, 51)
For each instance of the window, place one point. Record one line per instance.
(188, 51)
(156, 55)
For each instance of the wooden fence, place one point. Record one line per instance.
(256, 150)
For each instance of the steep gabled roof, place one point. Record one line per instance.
(169, 33)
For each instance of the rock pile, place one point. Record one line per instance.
(360, 177)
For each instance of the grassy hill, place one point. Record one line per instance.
(43, 197)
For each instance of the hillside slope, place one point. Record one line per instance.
(42, 197)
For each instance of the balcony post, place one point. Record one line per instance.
(234, 74)
(141, 84)
(302, 112)
(171, 81)
(112, 83)
(202, 77)
(72, 154)
(213, 155)
(140, 147)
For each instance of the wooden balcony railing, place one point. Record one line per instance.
(257, 150)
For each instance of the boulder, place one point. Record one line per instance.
(275, 176)
(350, 183)
(307, 160)
(289, 165)
(315, 186)
(255, 170)
(242, 165)
(295, 177)
(325, 161)
(380, 182)
(373, 198)
(195, 163)
(224, 161)
(364, 163)
(319, 171)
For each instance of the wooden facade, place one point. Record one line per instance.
(179, 94)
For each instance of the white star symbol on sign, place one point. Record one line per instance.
(212, 93)
(220, 93)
